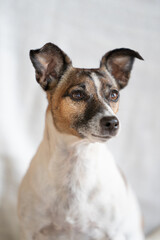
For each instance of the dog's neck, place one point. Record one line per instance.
(70, 158)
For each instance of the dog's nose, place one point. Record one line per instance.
(109, 124)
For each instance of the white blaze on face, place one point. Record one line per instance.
(108, 110)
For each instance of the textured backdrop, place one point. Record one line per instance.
(85, 30)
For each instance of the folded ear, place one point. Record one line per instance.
(50, 63)
(119, 63)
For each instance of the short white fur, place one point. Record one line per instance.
(73, 190)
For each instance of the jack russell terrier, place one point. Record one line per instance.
(73, 189)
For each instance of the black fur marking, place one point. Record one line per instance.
(93, 107)
(100, 74)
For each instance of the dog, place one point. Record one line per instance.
(73, 189)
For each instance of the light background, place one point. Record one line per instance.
(85, 30)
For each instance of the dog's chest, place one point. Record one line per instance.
(89, 194)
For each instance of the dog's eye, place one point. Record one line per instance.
(78, 95)
(114, 95)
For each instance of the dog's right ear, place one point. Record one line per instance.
(50, 63)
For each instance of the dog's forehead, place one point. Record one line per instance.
(90, 77)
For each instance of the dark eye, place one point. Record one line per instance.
(114, 95)
(78, 95)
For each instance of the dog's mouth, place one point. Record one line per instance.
(101, 136)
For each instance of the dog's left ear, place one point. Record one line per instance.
(119, 63)
(50, 63)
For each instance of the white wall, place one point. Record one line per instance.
(85, 30)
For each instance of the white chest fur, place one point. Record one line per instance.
(73, 190)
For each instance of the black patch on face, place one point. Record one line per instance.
(93, 107)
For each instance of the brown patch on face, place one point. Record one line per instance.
(115, 106)
(65, 110)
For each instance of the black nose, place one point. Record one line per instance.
(109, 124)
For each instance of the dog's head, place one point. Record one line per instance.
(83, 102)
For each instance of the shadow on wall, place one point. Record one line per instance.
(8, 212)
